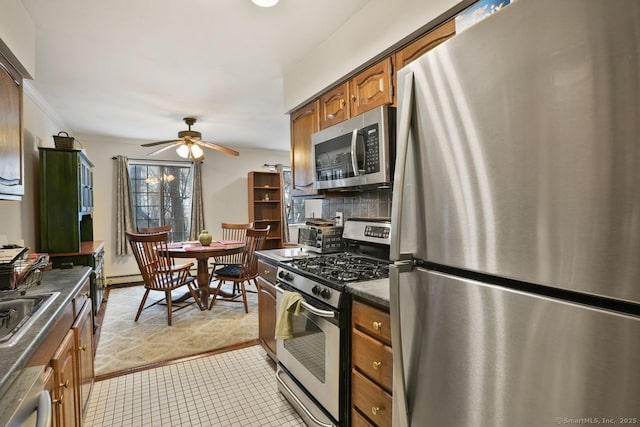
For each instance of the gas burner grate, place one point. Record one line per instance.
(342, 268)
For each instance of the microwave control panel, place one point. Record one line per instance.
(372, 150)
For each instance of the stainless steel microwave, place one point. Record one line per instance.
(359, 152)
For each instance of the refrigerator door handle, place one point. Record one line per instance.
(400, 411)
(405, 111)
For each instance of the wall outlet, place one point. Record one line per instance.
(339, 218)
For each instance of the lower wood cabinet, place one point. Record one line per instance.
(371, 366)
(267, 308)
(68, 353)
(65, 382)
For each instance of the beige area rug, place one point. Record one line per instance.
(126, 344)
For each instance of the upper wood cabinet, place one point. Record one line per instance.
(424, 44)
(11, 152)
(372, 87)
(304, 123)
(334, 106)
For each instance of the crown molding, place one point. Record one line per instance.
(39, 100)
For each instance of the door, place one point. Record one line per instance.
(267, 316)
(312, 355)
(476, 354)
(304, 123)
(64, 366)
(83, 328)
(522, 173)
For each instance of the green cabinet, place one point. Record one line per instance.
(66, 200)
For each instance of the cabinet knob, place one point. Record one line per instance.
(65, 384)
(85, 294)
(342, 103)
(377, 326)
(376, 410)
(58, 401)
(353, 98)
(83, 347)
(376, 365)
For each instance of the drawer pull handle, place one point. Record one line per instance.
(85, 294)
(83, 347)
(376, 410)
(376, 365)
(64, 384)
(267, 271)
(58, 401)
(377, 326)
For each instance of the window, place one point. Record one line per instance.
(295, 205)
(161, 193)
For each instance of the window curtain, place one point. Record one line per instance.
(285, 223)
(124, 206)
(197, 207)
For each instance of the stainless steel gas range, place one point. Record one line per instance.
(313, 368)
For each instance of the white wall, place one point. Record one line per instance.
(224, 185)
(374, 29)
(18, 32)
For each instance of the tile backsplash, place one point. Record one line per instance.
(366, 204)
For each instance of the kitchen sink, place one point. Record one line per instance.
(19, 312)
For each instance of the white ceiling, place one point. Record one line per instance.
(132, 69)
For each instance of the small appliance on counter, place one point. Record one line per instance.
(319, 238)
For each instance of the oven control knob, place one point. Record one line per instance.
(325, 293)
(315, 290)
(285, 275)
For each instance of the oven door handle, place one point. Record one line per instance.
(312, 309)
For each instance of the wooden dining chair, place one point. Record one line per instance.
(158, 272)
(150, 230)
(246, 271)
(230, 231)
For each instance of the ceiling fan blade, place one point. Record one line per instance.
(216, 147)
(160, 150)
(151, 144)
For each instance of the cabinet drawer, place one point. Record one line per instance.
(359, 420)
(373, 358)
(81, 298)
(371, 400)
(373, 321)
(267, 271)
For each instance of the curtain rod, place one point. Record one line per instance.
(155, 161)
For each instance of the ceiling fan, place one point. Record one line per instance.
(188, 143)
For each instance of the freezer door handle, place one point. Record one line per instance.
(400, 414)
(405, 111)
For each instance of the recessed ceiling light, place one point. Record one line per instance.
(265, 3)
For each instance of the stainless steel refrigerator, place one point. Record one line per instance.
(515, 292)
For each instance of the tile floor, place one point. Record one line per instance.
(236, 388)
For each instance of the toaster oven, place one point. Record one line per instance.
(321, 239)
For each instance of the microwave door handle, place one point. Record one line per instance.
(354, 154)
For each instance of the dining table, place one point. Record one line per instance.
(194, 250)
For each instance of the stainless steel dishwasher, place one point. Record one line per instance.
(25, 402)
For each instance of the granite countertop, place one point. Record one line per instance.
(67, 282)
(374, 291)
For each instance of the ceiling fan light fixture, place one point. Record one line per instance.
(196, 152)
(183, 151)
(265, 3)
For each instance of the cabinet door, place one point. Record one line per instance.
(83, 327)
(371, 88)
(304, 123)
(334, 106)
(267, 316)
(425, 43)
(11, 163)
(65, 366)
(49, 385)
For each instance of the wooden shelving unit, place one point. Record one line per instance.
(265, 205)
